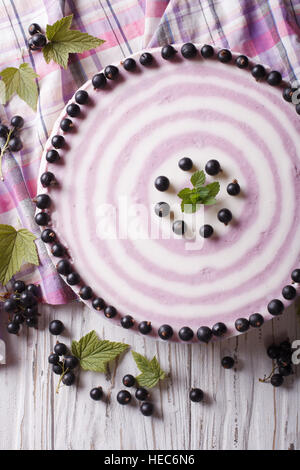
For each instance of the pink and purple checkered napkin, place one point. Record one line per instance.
(267, 30)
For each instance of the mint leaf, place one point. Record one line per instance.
(21, 81)
(63, 41)
(15, 248)
(151, 371)
(213, 188)
(198, 178)
(184, 193)
(94, 354)
(209, 201)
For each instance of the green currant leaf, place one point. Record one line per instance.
(2, 92)
(16, 247)
(151, 371)
(21, 81)
(94, 354)
(63, 41)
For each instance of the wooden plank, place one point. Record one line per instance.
(238, 412)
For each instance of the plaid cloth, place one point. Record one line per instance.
(267, 30)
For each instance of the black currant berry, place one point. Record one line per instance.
(68, 378)
(165, 332)
(56, 327)
(47, 178)
(124, 397)
(30, 312)
(111, 72)
(212, 167)
(86, 292)
(34, 28)
(289, 292)
(57, 368)
(110, 311)
(196, 395)
(179, 227)
(146, 58)
(188, 50)
(48, 236)
(73, 110)
(273, 351)
(225, 216)
(60, 349)
(274, 78)
(71, 362)
(288, 94)
(242, 325)
(58, 141)
(206, 231)
(42, 218)
(73, 279)
(43, 201)
(17, 122)
(185, 164)
(57, 250)
(204, 334)
(98, 303)
(145, 327)
(286, 346)
(162, 183)
(275, 307)
(225, 56)
(284, 359)
(31, 322)
(3, 131)
(66, 124)
(128, 380)
(10, 305)
(99, 80)
(219, 329)
(18, 318)
(81, 97)
(19, 286)
(141, 394)
(277, 380)
(39, 40)
(296, 276)
(233, 188)
(227, 362)
(27, 299)
(242, 62)
(258, 72)
(285, 371)
(31, 46)
(53, 359)
(13, 328)
(256, 320)
(129, 64)
(298, 108)
(167, 52)
(96, 393)
(127, 322)
(162, 209)
(64, 267)
(15, 144)
(207, 51)
(185, 333)
(147, 408)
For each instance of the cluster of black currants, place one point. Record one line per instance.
(63, 363)
(37, 39)
(10, 137)
(282, 355)
(22, 306)
(141, 394)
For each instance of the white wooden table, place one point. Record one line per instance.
(239, 412)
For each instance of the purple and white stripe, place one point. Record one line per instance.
(138, 128)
